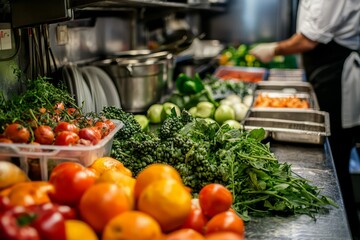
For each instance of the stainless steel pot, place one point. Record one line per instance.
(139, 82)
(142, 55)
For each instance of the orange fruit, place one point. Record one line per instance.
(11, 174)
(152, 173)
(184, 233)
(167, 201)
(224, 236)
(101, 202)
(77, 229)
(120, 179)
(132, 225)
(104, 164)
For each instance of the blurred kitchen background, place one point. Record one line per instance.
(80, 31)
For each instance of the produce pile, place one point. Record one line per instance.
(239, 56)
(48, 115)
(192, 90)
(105, 201)
(208, 98)
(185, 155)
(204, 152)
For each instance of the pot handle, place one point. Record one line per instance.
(130, 69)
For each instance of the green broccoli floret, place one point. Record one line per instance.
(173, 124)
(131, 126)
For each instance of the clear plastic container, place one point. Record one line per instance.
(39, 160)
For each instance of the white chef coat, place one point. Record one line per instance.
(326, 20)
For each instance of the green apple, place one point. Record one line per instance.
(193, 111)
(223, 113)
(233, 124)
(154, 113)
(167, 108)
(205, 110)
(143, 121)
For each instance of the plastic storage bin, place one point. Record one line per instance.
(39, 160)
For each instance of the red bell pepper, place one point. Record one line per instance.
(45, 222)
(4, 204)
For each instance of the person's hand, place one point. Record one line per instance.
(265, 52)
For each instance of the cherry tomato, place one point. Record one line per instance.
(5, 140)
(110, 123)
(72, 111)
(59, 107)
(44, 135)
(17, 133)
(214, 198)
(196, 220)
(91, 134)
(70, 181)
(184, 233)
(66, 126)
(42, 110)
(225, 222)
(103, 127)
(66, 138)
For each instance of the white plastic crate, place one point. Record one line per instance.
(39, 160)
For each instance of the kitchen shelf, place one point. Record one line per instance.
(142, 4)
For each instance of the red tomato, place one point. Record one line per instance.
(110, 123)
(44, 135)
(66, 138)
(72, 111)
(66, 126)
(196, 220)
(17, 133)
(5, 140)
(185, 233)
(225, 222)
(60, 106)
(91, 134)
(214, 198)
(103, 127)
(70, 181)
(224, 236)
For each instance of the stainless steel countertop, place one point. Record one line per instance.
(315, 163)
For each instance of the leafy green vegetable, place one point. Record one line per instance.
(204, 152)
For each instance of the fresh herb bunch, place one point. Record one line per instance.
(204, 152)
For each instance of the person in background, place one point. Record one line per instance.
(328, 33)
